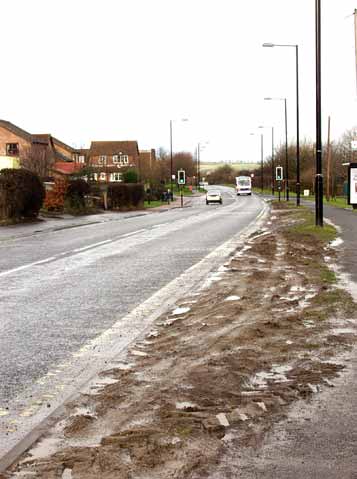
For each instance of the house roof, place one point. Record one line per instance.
(114, 148)
(66, 167)
(42, 138)
(56, 141)
(16, 130)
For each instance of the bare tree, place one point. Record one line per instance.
(38, 159)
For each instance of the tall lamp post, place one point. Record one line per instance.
(261, 160)
(171, 163)
(297, 116)
(286, 146)
(272, 156)
(200, 146)
(318, 178)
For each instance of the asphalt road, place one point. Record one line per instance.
(61, 289)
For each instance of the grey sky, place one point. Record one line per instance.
(121, 69)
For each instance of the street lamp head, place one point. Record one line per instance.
(268, 98)
(269, 45)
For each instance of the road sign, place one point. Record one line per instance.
(279, 173)
(352, 184)
(181, 177)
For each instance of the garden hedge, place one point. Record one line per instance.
(125, 195)
(21, 194)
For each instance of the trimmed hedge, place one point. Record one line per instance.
(76, 191)
(21, 194)
(125, 195)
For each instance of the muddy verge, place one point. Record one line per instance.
(267, 330)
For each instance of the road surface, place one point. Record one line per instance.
(62, 289)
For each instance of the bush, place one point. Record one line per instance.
(122, 195)
(75, 195)
(21, 194)
(55, 198)
(155, 192)
(130, 176)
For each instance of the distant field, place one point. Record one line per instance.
(205, 167)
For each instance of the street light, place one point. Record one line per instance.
(200, 146)
(261, 160)
(297, 116)
(286, 146)
(171, 165)
(319, 217)
(272, 156)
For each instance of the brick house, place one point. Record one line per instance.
(109, 159)
(37, 152)
(147, 164)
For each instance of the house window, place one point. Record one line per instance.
(116, 177)
(124, 159)
(103, 176)
(102, 160)
(81, 159)
(115, 159)
(12, 149)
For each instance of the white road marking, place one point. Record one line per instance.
(153, 233)
(132, 233)
(78, 250)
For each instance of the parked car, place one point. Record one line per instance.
(213, 196)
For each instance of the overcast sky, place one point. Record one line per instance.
(121, 69)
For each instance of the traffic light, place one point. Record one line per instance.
(181, 177)
(279, 173)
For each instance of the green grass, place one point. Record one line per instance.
(338, 202)
(154, 204)
(306, 225)
(177, 191)
(328, 276)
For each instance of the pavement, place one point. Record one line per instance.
(319, 439)
(46, 224)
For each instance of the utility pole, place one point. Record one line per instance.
(355, 22)
(328, 172)
(318, 178)
(262, 161)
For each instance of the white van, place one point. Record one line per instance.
(243, 185)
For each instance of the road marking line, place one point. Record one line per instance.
(84, 248)
(132, 233)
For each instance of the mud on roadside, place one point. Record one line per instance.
(267, 329)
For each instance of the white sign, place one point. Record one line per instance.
(173, 177)
(306, 192)
(353, 185)
(354, 145)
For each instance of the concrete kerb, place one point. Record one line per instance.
(114, 347)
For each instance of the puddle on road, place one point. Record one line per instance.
(336, 242)
(232, 298)
(181, 310)
(184, 405)
(338, 331)
(43, 449)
